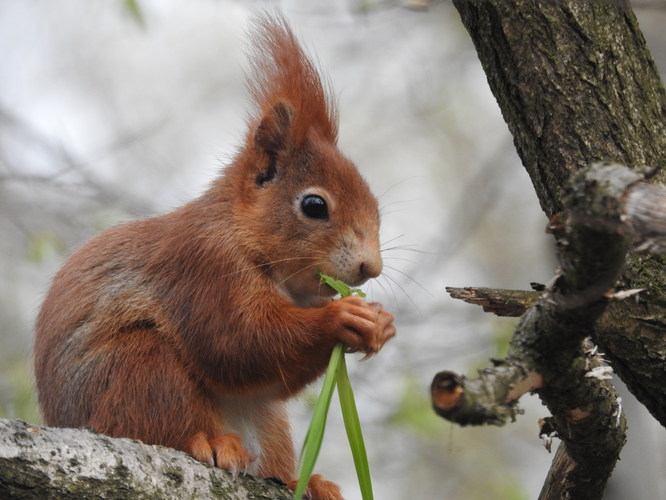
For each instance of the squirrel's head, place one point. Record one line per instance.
(305, 206)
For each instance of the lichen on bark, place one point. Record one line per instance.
(43, 462)
(576, 84)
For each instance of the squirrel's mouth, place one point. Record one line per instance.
(327, 290)
(330, 289)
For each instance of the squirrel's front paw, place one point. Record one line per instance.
(319, 489)
(225, 451)
(364, 326)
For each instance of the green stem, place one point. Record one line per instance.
(354, 433)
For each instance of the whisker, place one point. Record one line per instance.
(296, 272)
(401, 259)
(407, 248)
(410, 278)
(390, 288)
(266, 264)
(396, 283)
(392, 239)
(396, 202)
(396, 184)
(384, 209)
(387, 213)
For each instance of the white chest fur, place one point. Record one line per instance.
(245, 416)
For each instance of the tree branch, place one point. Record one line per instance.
(45, 462)
(499, 301)
(576, 84)
(548, 353)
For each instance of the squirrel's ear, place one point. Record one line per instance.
(273, 133)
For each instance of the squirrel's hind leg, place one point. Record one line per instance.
(143, 390)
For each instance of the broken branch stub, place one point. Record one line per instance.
(610, 210)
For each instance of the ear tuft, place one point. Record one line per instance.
(273, 133)
(281, 72)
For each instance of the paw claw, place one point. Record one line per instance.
(319, 489)
(225, 451)
(364, 326)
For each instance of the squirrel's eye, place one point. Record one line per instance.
(314, 206)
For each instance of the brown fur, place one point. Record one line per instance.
(191, 329)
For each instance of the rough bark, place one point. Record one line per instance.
(610, 207)
(576, 84)
(39, 462)
(502, 302)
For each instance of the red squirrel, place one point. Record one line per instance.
(192, 329)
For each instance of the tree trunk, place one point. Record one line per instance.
(576, 84)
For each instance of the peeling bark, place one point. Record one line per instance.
(549, 352)
(576, 84)
(508, 303)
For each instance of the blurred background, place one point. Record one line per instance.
(115, 110)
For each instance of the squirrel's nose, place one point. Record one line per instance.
(371, 267)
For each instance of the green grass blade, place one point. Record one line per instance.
(340, 286)
(354, 434)
(335, 373)
(315, 434)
